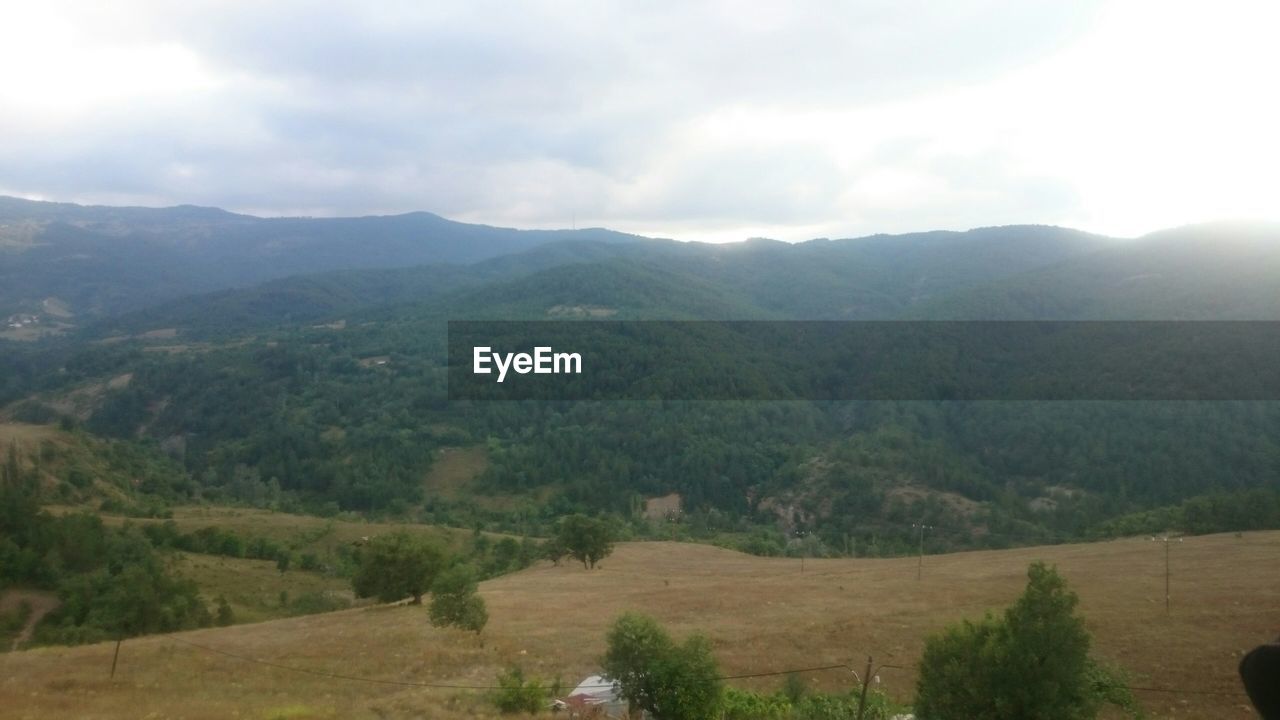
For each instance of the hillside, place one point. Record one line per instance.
(877, 277)
(90, 261)
(333, 386)
(762, 615)
(1220, 271)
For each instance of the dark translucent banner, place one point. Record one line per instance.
(765, 360)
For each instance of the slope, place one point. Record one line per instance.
(104, 260)
(1220, 271)
(762, 615)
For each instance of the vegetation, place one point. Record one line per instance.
(668, 680)
(518, 695)
(1031, 662)
(397, 566)
(112, 582)
(454, 600)
(746, 705)
(587, 540)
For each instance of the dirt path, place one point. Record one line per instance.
(42, 603)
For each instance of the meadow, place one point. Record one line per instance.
(762, 615)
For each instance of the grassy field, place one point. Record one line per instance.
(25, 436)
(762, 614)
(302, 532)
(253, 587)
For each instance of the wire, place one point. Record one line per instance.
(447, 686)
(745, 676)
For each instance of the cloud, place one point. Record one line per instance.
(699, 120)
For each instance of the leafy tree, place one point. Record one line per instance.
(670, 681)
(585, 539)
(454, 600)
(1033, 662)
(395, 566)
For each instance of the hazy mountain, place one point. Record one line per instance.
(102, 260)
(1219, 271)
(876, 277)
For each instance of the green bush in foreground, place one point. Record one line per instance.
(670, 681)
(518, 695)
(1032, 662)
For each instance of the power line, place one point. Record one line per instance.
(449, 686)
(745, 676)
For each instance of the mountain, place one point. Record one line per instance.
(330, 392)
(95, 261)
(1216, 271)
(876, 277)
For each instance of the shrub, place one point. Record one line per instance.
(670, 681)
(516, 694)
(1031, 662)
(454, 600)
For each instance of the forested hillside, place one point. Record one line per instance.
(91, 261)
(328, 392)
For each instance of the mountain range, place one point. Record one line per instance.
(300, 361)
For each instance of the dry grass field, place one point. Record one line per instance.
(252, 587)
(313, 533)
(761, 614)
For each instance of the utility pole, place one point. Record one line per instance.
(862, 698)
(114, 658)
(1166, 540)
(920, 564)
(865, 681)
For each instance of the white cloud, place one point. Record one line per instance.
(705, 120)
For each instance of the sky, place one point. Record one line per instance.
(712, 121)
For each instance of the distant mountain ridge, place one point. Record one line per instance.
(100, 260)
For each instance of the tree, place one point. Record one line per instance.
(653, 673)
(1031, 662)
(454, 600)
(588, 540)
(395, 566)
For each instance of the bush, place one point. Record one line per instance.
(454, 600)
(1031, 662)
(517, 695)
(670, 681)
(310, 603)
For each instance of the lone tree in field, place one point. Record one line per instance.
(585, 539)
(1033, 662)
(653, 673)
(396, 566)
(454, 600)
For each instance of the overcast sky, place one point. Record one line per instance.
(695, 120)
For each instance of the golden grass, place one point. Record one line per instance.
(761, 615)
(454, 469)
(252, 587)
(26, 436)
(453, 474)
(308, 531)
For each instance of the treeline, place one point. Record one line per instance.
(111, 582)
(325, 421)
(1256, 509)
